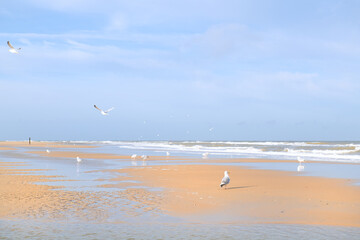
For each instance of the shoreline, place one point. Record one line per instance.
(188, 190)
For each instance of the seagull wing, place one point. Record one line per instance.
(97, 108)
(8, 43)
(225, 180)
(109, 110)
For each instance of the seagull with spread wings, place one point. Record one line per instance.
(12, 49)
(102, 111)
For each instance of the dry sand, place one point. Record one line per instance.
(253, 196)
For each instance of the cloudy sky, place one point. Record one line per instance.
(247, 70)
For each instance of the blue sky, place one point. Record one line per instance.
(251, 70)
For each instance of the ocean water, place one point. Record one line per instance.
(347, 152)
(86, 175)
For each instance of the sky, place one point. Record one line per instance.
(251, 70)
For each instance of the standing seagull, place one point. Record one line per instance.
(12, 49)
(102, 111)
(226, 180)
(300, 168)
(78, 159)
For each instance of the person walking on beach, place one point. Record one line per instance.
(29, 140)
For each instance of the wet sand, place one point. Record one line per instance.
(74, 154)
(9, 145)
(22, 197)
(190, 192)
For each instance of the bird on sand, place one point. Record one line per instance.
(102, 111)
(47, 150)
(300, 168)
(205, 155)
(12, 49)
(133, 156)
(300, 160)
(78, 159)
(226, 179)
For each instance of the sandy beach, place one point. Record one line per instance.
(254, 196)
(188, 191)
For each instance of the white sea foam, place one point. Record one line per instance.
(321, 151)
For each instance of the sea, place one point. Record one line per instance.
(319, 159)
(348, 152)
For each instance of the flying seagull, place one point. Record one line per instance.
(102, 111)
(226, 180)
(12, 49)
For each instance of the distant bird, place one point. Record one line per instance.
(12, 49)
(167, 154)
(78, 159)
(210, 129)
(144, 157)
(226, 180)
(133, 156)
(205, 155)
(134, 163)
(102, 111)
(300, 168)
(47, 150)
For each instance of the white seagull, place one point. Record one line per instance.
(144, 157)
(300, 168)
(133, 156)
(205, 155)
(12, 49)
(78, 159)
(47, 150)
(167, 154)
(102, 111)
(226, 180)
